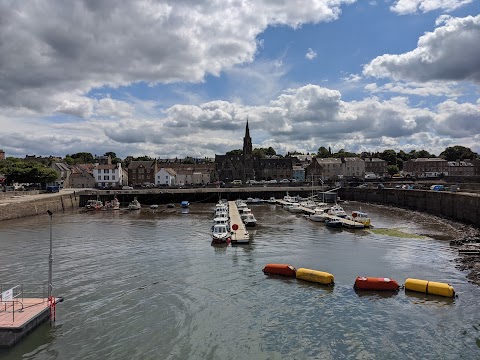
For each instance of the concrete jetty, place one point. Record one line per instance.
(241, 235)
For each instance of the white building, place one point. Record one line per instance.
(165, 176)
(108, 175)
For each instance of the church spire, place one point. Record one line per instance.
(247, 131)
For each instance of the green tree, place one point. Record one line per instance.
(82, 158)
(323, 152)
(270, 151)
(390, 156)
(69, 160)
(235, 152)
(458, 152)
(113, 157)
(392, 169)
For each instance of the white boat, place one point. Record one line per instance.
(245, 212)
(221, 220)
(309, 204)
(221, 234)
(250, 220)
(94, 205)
(319, 215)
(337, 210)
(112, 205)
(295, 208)
(254, 200)
(134, 205)
(154, 206)
(272, 200)
(361, 217)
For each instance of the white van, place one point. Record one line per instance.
(237, 182)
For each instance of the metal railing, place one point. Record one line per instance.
(17, 293)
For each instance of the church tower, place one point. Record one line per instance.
(249, 173)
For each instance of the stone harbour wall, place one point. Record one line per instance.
(462, 207)
(52, 202)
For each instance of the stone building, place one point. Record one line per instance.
(82, 176)
(2, 155)
(460, 168)
(335, 168)
(376, 166)
(245, 166)
(426, 167)
(142, 172)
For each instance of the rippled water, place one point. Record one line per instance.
(150, 286)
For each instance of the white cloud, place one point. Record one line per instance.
(310, 55)
(450, 53)
(433, 88)
(404, 7)
(89, 44)
(302, 118)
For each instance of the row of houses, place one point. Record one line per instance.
(104, 174)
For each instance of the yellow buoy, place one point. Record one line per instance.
(316, 276)
(430, 287)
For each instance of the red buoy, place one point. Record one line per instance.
(280, 269)
(373, 283)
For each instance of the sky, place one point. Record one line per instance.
(180, 78)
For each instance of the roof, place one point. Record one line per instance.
(146, 164)
(102, 167)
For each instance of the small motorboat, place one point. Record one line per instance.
(94, 205)
(337, 210)
(333, 223)
(361, 217)
(170, 205)
(221, 234)
(185, 204)
(250, 220)
(154, 206)
(112, 205)
(134, 205)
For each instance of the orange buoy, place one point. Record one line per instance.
(279, 269)
(373, 283)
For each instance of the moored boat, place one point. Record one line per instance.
(134, 205)
(185, 204)
(337, 210)
(333, 223)
(250, 220)
(221, 234)
(93, 205)
(361, 217)
(112, 205)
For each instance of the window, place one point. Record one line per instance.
(99, 177)
(106, 171)
(113, 177)
(106, 177)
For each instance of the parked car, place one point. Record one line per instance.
(125, 187)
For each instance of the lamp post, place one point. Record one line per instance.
(50, 258)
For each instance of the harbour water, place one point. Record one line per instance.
(149, 285)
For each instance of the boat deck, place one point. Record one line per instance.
(241, 236)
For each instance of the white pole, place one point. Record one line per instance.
(50, 258)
